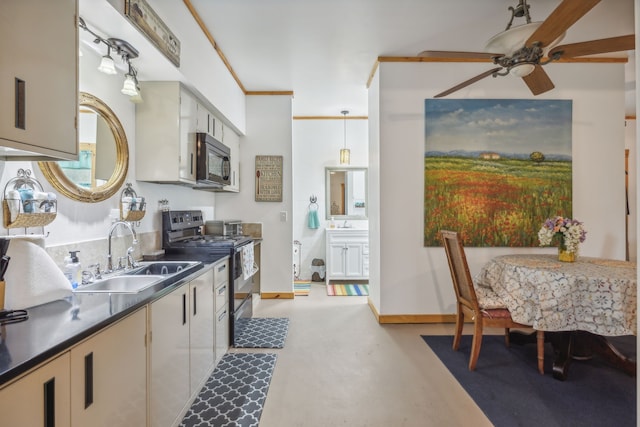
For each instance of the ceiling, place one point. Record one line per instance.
(324, 50)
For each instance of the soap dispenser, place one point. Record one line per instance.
(72, 268)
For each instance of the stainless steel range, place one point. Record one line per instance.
(182, 239)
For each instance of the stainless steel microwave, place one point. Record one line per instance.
(212, 161)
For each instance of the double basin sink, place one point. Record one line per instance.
(137, 279)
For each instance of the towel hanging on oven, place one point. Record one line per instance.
(249, 267)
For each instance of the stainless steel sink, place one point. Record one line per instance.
(164, 268)
(140, 278)
(123, 284)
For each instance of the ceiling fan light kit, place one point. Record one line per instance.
(521, 51)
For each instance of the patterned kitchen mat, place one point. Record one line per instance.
(261, 332)
(234, 394)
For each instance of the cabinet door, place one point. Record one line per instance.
(48, 388)
(336, 260)
(109, 385)
(188, 129)
(204, 120)
(232, 140)
(169, 357)
(36, 115)
(201, 330)
(353, 260)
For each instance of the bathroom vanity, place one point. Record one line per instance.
(347, 254)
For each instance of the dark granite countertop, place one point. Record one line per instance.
(55, 327)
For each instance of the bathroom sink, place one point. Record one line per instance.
(123, 284)
(164, 268)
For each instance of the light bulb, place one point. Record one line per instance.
(345, 156)
(522, 70)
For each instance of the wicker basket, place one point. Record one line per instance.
(23, 219)
(126, 214)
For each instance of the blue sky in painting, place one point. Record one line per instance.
(517, 126)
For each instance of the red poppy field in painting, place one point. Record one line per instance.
(500, 202)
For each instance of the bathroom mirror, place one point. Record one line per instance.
(103, 159)
(346, 189)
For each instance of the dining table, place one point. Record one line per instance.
(578, 304)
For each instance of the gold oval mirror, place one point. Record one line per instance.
(103, 159)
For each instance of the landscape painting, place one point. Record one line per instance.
(495, 169)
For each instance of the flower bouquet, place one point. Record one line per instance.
(567, 232)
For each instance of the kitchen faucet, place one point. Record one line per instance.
(130, 261)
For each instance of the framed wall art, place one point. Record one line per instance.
(495, 169)
(147, 21)
(268, 178)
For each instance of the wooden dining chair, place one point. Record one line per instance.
(493, 314)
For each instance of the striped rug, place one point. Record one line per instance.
(347, 290)
(301, 288)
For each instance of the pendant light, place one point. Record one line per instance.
(345, 153)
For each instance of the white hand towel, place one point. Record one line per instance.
(33, 278)
(249, 267)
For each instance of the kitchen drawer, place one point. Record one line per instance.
(222, 332)
(220, 273)
(221, 296)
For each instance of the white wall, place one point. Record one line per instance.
(316, 145)
(414, 279)
(268, 133)
(80, 222)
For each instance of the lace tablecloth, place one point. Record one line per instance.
(591, 294)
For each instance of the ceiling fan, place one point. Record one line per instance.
(522, 50)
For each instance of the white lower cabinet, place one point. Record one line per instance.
(201, 330)
(109, 376)
(169, 357)
(143, 370)
(347, 253)
(182, 350)
(41, 398)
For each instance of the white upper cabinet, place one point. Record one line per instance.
(205, 121)
(166, 126)
(39, 79)
(232, 140)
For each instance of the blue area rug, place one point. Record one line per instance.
(234, 395)
(507, 387)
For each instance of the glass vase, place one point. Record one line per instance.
(566, 256)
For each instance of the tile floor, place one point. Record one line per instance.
(339, 367)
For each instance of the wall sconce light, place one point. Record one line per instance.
(345, 153)
(107, 65)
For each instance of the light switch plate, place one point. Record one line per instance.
(283, 216)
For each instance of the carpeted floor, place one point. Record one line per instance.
(234, 395)
(261, 332)
(301, 288)
(347, 289)
(508, 388)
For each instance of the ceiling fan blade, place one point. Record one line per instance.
(538, 81)
(563, 17)
(467, 82)
(612, 44)
(457, 55)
